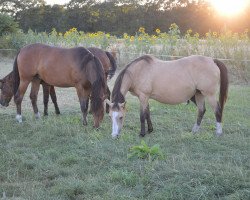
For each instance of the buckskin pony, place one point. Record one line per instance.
(60, 67)
(170, 82)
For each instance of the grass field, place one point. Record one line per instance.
(57, 158)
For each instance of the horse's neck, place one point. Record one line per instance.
(126, 84)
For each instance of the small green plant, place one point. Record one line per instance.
(143, 151)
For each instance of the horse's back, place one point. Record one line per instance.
(56, 66)
(175, 81)
(101, 55)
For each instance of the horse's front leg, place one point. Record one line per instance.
(150, 126)
(142, 120)
(108, 97)
(84, 102)
(83, 96)
(18, 98)
(143, 113)
(33, 96)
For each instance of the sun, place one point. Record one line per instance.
(229, 7)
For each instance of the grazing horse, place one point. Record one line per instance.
(109, 66)
(60, 67)
(6, 86)
(170, 82)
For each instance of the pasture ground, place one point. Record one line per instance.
(57, 158)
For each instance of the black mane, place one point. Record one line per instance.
(117, 96)
(84, 56)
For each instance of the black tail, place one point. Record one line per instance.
(16, 76)
(113, 64)
(223, 83)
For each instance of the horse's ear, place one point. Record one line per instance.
(122, 105)
(108, 102)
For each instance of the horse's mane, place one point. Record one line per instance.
(9, 76)
(117, 96)
(99, 82)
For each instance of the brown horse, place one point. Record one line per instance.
(6, 86)
(107, 59)
(61, 67)
(109, 66)
(170, 82)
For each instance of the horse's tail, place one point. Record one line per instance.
(16, 76)
(96, 84)
(113, 65)
(223, 83)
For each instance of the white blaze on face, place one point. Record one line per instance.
(115, 124)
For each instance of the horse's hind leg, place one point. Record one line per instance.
(35, 84)
(217, 111)
(200, 102)
(18, 98)
(54, 99)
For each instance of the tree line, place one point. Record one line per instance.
(121, 16)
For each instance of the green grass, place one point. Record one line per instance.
(57, 158)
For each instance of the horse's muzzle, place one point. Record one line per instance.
(4, 103)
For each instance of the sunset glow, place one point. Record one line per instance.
(229, 7)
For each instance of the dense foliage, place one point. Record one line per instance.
(119, 16)
(7, 25)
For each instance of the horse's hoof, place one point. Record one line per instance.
(58, 112)
(45, 114)
(218, 129)
(195, 128)
(37, 115)
(219, 133)
(84, 123)
(150, 130)
(142, 134)
(19, 118)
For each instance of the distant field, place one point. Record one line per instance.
(57, 158)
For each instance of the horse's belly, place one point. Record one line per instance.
(173, 96)
(56, 77)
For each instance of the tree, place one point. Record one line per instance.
(13, 7)
(7, 25)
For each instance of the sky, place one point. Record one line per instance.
(224, 7)
(51, 2)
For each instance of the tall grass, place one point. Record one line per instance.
(232, 48)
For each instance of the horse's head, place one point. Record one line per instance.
(117, 115)
(6, 86)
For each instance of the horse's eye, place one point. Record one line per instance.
(120, 118)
